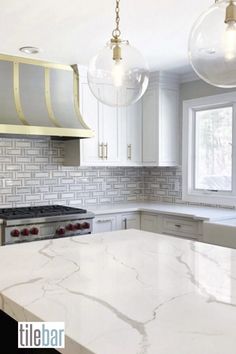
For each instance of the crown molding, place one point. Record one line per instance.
(188, 77)
(157, 78)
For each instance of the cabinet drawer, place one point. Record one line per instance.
(104, 223)
(181, 227)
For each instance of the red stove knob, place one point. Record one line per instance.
(15, 233)
(86, 225)
(34, 231)
(70, 227)
(60, 231)
(78, 226)
(25, 232)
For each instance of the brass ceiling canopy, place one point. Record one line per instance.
(39, 98)
(230, 13)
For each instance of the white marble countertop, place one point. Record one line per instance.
(125, 292)
(195, 212)
(228, 222)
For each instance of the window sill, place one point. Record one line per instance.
(221, 200)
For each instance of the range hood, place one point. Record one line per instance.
(38, 99)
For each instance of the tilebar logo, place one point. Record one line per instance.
(41, 335)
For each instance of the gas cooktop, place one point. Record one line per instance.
(43, 222)
(37, 212)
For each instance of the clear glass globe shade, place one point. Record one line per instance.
(118, 83)
(212, 46)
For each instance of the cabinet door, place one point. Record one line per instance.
(133, 145)
(168, 127)
(90, 112)
(161, 125)
(150, 127)
(130, 221)
(104, 223)
(149, 222)
(111, 133)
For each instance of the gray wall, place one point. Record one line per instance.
(199, 88)
(196, 89)
(191, 90)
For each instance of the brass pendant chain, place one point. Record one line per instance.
(116, 32)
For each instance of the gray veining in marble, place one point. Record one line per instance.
(129, 292)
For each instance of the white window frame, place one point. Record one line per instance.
(189, 194)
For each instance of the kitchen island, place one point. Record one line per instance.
(125, 292)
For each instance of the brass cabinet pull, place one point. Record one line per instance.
(100, 151)
(129, 151)
(106, 151)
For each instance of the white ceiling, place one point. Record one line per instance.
(71, 31)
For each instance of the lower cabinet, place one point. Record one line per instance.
(130, 221)
(105, 223)
(163, 224)
(112, 222)
(149, 222)
(172, 225)
(183, 227)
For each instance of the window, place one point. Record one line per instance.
(209, 164)
(213, 149)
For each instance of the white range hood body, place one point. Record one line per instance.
(40, 99)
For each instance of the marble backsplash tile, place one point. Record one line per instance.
(32, 173)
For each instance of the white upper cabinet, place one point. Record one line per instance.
(110, 134)
(143, 134)
(132, 134)
(104, 148)
(150, 126)
(161, 121)
(89, 152)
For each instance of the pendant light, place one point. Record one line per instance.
(212, 44)
(118, 74)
